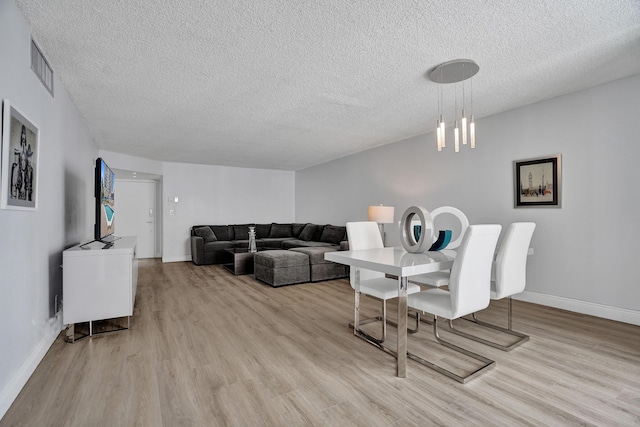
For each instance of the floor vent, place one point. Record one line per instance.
(41, 67)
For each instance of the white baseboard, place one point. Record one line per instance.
(181, 258)
(20, 378)
(583, 307)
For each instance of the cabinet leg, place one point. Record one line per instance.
(70, 333)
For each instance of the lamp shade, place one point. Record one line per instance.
(381, 214)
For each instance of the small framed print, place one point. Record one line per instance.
(20, 149)
(537, 182)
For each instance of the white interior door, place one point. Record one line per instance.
(135, 207)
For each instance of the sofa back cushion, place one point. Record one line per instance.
(280, 230)
(206, 233)
(333, 234)
(241, 231)
(221, 232)
(308, 232)
(296, 229)
(263, 230)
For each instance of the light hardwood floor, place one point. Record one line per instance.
(207, 348)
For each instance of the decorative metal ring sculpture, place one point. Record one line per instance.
(407, 238)
(464, 222)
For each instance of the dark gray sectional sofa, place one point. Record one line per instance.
(208, 242)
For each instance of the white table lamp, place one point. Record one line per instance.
(382, 215)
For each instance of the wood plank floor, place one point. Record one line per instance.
(207, 348)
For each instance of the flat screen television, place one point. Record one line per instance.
(105, 197)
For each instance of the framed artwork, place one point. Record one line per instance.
(537, 182)
(20, 148)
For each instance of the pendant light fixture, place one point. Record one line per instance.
(458, 70)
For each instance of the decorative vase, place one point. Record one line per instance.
(252, 239)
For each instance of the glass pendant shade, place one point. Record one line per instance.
(464, 129)
(472, 133)
(456, 138)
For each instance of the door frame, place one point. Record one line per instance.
(158, 211)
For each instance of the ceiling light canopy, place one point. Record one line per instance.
(458, 70)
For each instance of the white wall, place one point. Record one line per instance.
(211, 195)
(31, 243)
(221, 195)
(585, 252)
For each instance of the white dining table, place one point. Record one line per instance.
(402, 264)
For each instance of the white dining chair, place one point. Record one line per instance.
(509, 277)
(441, 278)
(366, 235)
(469, 291)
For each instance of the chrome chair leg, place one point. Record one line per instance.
(487, 363)
(417, 317)
(521, 338)
(385, 323)
(363, 335)
(358, 331)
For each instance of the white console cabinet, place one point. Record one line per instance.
(99, 283)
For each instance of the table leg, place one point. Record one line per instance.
(402, 327)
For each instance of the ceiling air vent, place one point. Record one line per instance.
(41, 67)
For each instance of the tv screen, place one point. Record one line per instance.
(105, 196)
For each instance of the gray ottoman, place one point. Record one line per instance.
(280, 267)
(320, 268)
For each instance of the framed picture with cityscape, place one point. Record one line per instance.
(20, 148)
(537, 182)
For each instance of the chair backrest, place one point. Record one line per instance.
(364, 235)
(511, 261)
(470, 283)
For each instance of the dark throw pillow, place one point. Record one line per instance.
(280, 230)
(296, 229)
(333, 234)
(307, 233)
(318, 234)
(206, 233)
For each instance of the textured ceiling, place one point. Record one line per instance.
(288, 84)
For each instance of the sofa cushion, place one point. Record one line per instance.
(296, 229)
(278, 268)
(217, 246)
(280, 258)
(308, 232)
(241, 231)
(275, 242)
(263, 230)
(316, 253)
(280, 230)
(206, 233)
(295, 243)
(318, 233)
(333, 234)
(244, 244)
(221, 231)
